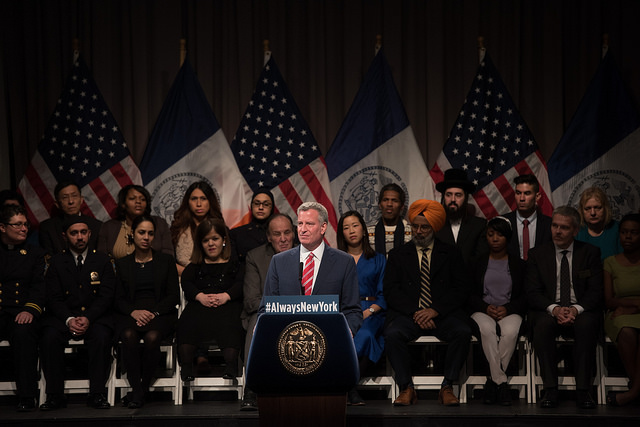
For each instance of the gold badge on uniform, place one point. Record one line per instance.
(302, 348)
(95, 278)
(23, 251)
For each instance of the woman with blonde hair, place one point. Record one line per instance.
(597, 224)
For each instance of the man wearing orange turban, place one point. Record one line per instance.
(425, 289)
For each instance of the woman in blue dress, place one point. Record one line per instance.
(352, 238)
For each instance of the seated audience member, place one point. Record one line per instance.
(461, 229)
(280, 237)
(80, 290)
(370, 265)
(69, 202)
(391, 230)
(254, 234)
(326, 271)
(425, 286)
(597, 224)
(146, 308)
(622, 299)
(22, 276)
(116, 238)
(212, 285)
(498, 304)
(12, 197)
(530, 226)
(564, 291)
(199, 202)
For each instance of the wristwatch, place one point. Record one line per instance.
(372, 310)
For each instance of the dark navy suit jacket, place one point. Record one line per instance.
(337, 275)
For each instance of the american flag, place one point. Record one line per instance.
(493, 144)
(274, 148)
(83, 143)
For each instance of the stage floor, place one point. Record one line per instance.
(376, 412)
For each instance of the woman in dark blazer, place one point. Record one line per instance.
(146, 302)
(498, 305)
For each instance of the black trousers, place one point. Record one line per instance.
(24, 345)
(402, 330)
(97, 340)
(585, 332)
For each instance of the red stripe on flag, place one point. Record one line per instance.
(104, 196)
(485, 204)
(436, 174)
(31, 216)
(506, 190)
(319, 194)
(290, 194)
(121, 175)
(40, 188)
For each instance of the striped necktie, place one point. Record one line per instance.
(425, 280)
(307, 274)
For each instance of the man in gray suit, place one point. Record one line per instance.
(325, 271)
(280, 237)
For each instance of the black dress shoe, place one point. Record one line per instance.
(550, 399)
(98, 401)
(249, 401)
(584, 400)
(354, 398)
(504, 394)
(135, 404)
(53, 402)
(490, 392)
(26, 404)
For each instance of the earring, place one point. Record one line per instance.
(224, 244)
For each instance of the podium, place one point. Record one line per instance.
(301, 366)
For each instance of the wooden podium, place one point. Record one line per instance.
(301, 366)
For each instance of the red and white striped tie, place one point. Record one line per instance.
(307, 274)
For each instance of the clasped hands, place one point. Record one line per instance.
(496, 312)
(565, 315)
(424, 318)
(142, 317)
(213, 300)
(78, 325)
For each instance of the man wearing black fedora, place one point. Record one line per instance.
(462, 228)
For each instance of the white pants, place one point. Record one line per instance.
(498, 349)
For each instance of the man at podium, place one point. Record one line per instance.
(313, 268)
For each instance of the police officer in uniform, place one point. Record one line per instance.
(80, 291)
(21, 300)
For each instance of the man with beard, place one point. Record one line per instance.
(462, 228)
(254, 234)
(425, 290)
(280, 236)
(533, 228)
(80, 289)
(391, 230)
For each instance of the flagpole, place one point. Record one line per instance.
(481, 49)
(75, 45)
(605, 44)
(267, 51)
(378, 43)
(183, 50)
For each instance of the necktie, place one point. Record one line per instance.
(425, 280)
(79, 263)
(307, 274)
(565, 281)
(525, 239)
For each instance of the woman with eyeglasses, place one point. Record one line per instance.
(146, 299)
(199, 203)
(116, 237)
(254, 234)
(353, 238)
(212, 285)
(22, 300)
(498, 305)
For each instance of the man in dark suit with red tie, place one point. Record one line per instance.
(531, 226)
(565, 292)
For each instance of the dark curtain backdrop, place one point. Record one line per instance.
(546, 51)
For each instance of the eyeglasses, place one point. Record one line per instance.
(19, 225)
(265, 205)
(421, 227)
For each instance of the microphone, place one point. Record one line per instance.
(300, 278)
